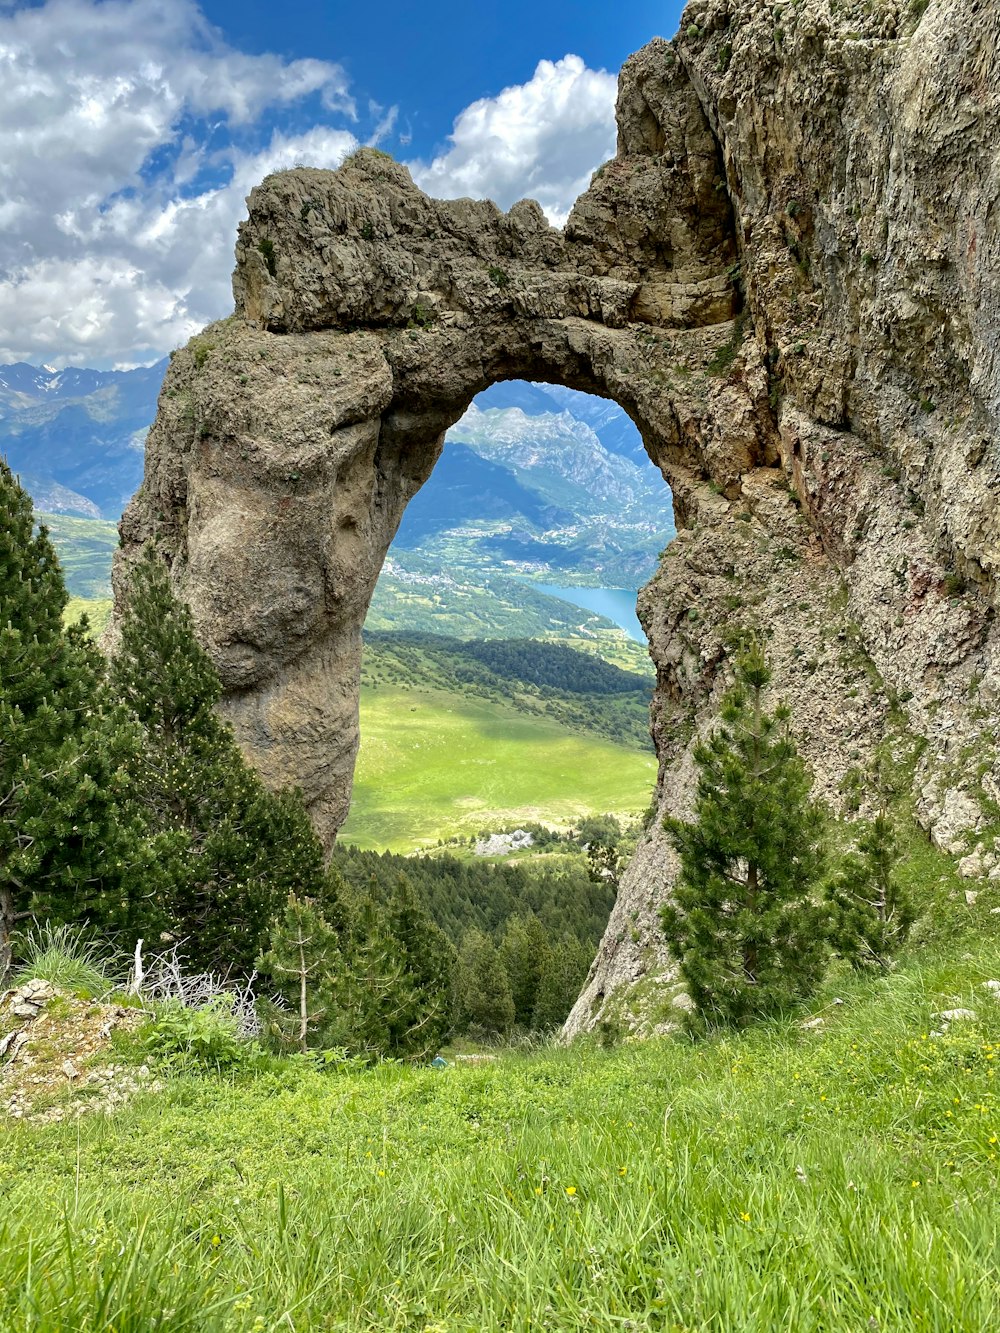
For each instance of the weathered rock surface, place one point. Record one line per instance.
(789, 276)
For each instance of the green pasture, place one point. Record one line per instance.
(84, 547)
(830, 1180)
(435, 764)
(96, 609)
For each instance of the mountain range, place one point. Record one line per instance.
(543, 481)
(76, 437)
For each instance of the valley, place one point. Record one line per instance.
(84, 547)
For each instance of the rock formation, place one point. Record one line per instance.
(789, 276)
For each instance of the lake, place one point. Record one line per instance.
(617, 604)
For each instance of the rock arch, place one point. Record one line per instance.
(368, 317)
(770, 277)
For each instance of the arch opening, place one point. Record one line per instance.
(505, 674)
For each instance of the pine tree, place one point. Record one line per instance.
(743, 924)
(484, 1001)
(429, 965)
(221, 853)
(871, 912)
(303, 961)
(393, 991)
(61, 747)
(524, 952)
(605, 862)
(565, 970)
(377, 996)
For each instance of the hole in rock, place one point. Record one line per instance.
(506, 678)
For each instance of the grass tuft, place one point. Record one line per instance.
(64, 957)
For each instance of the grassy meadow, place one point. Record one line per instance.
(825, 1180)
(97, 611)
(435, 764)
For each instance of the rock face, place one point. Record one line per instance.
(789, 276)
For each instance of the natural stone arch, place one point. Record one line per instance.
(368, 316)
(834, 455)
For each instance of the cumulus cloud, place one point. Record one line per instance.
(133, 132)
(151, 269)
(541, 140)
(130, 142)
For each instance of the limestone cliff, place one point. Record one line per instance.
(789, 276)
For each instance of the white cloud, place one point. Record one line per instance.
(386, 122)
(541, 140)
(111, 110)
(133, 132)
(153, 269)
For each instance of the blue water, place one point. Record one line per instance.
(618, 604)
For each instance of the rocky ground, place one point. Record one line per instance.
(56, 1055)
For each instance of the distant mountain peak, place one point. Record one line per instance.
(78, 433)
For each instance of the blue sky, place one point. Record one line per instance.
(135, 128)
(434, 59)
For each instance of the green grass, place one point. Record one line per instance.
(84, 547)
(816, 1182)
(538, 679)
(64, 957)
(618, 649)
(434, 764)
(97, 610)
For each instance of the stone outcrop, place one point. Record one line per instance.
(789, 276)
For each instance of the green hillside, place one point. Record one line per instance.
(97, 611)
(84, 547)
(578, 690)
(434, 765)
(825, 1180)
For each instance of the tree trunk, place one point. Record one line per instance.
(750, 959)
(8, 917)
(139, 974)
(303, 998)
